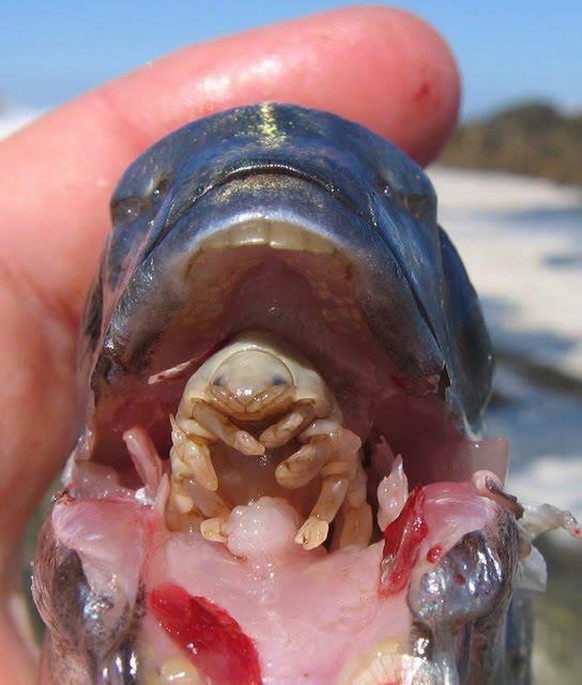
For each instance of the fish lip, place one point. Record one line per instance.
(248, 170)
(363, 208)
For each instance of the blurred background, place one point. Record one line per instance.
(510, 190)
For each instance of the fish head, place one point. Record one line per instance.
(325, 236)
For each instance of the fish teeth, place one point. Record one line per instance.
(218, 241)
(318, 245)
(251, 233)
(277, 235)
(286, 237)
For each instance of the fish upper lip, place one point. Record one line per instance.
(261, 167)
(115, 362)
(258, 168)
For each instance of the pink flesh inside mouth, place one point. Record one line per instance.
(277, 613)
(292, 615)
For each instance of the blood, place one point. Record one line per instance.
(208, 635)
(434, 554)
(422, 92)
(401, 544)
(64, 496)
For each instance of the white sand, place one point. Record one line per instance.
(541, 316)
(475, 191)
(542, 304)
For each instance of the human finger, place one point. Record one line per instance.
(379, 66)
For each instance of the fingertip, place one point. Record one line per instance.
(414, 85)
(434, 89)
(383, 67)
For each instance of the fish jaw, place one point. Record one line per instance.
(325, 617)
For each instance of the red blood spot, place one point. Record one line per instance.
(460, 579)
(434, 554)
(422, 92)
(398, 380)
(64, 497)
(209, 636)
(401, 544)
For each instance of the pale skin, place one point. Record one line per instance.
(378, 66)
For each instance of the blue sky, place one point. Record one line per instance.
(508, 50)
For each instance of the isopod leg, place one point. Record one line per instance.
(289, 426)
(302, 466)
(343, 485)
(225, 430)
(354, 526)
(314, 531)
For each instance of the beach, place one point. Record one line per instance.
(520, 240)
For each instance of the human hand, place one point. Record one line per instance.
(378, 66)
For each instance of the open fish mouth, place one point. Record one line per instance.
(319, 240)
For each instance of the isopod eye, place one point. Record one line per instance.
(279, 380)
(219, 380)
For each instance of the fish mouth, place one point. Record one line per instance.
(423, 602)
